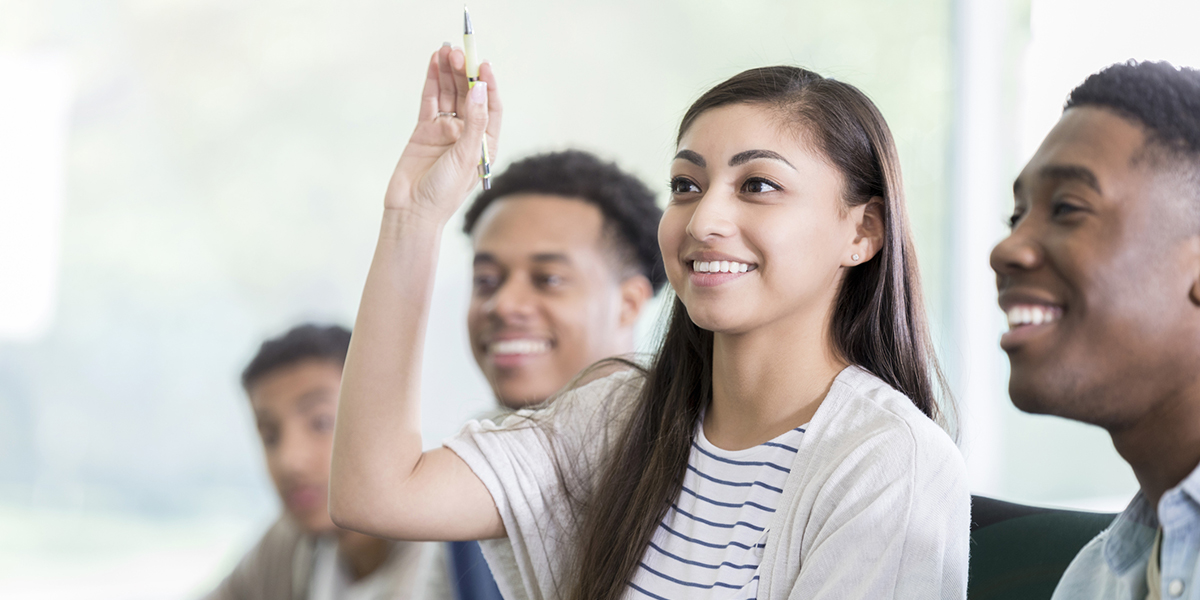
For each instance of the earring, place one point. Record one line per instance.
(854, 258)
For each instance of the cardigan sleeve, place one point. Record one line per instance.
(890, 519)
(533, 463)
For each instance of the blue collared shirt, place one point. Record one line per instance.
(1113, 565)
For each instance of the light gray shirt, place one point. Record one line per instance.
(1113, 565)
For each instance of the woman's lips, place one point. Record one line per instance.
(712, 279)
(712, 273)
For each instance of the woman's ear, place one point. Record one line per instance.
(869, 232)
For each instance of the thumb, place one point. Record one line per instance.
(467, 148)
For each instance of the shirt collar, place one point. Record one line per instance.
(1131, 535)
(1191, 485)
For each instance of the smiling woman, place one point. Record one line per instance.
(784, 441)
(794, 179)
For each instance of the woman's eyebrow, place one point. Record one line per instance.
(742, 158)
(692, 157)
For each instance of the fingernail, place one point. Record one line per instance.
(478, 92)
(445, 44)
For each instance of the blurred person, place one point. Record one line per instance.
(1100, 280)
(293, 383)
(565, 259)
(785, 440)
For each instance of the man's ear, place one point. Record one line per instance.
(635, 292)
(869, 232)
(1193, 248)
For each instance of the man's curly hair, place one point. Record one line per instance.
(1162, 98)
(300, 343)
(630, 212)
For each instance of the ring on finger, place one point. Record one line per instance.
(446, 114)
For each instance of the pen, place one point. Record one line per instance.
(485, 166)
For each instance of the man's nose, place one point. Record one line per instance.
(294, 452)
(513, 300)
(1016, 253)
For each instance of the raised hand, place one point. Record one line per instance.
(381, 482)
(439, 166)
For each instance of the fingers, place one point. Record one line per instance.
(429, 95)
(474, 112)
(495, 109)
(446, 91)
(458, 64)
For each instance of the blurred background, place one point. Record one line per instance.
(181, 178)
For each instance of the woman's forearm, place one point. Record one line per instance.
(378, 432)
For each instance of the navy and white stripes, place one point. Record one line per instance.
(711, 541)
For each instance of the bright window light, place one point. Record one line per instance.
(34, 121)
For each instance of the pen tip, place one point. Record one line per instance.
(467, 21)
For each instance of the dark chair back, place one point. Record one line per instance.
(1019, 552)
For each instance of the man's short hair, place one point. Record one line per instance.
(1162, 98)
(630, 214)
(300, 343)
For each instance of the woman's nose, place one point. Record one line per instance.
(712, 217)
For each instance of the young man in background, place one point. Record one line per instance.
(566, 257)
(293, 383)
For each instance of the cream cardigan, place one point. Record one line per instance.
(876, 505)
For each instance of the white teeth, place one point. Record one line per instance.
(720, 266)
(1032, 314)
(519, 347)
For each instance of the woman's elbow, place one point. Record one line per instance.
(345, 510)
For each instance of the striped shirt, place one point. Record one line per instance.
(710, 543)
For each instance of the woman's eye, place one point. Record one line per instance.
(683, 185)
(758, 185)
(1014, 219)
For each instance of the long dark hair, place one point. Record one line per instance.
(878, 323)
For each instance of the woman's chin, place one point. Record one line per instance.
(720, 323)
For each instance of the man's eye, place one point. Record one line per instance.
(485, 283)
(683, 185)
(322, 423)
(758, 185)
(1059, 209)
(549, 281)
(269, 436)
